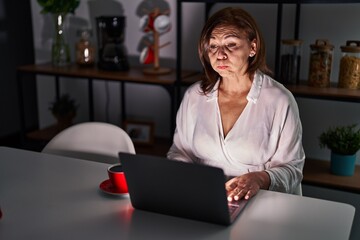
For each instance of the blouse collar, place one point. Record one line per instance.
(253, 94)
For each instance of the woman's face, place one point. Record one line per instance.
(229, 52)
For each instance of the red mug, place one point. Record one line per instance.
(147, 23)
(117, 178)
(147, 55)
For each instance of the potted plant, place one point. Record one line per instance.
(60, 52)
(344, 142)
(64, 110)
(58, 6)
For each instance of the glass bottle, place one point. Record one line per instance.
(321, 58)
(349, 75)
(85, 51)
(290, 61)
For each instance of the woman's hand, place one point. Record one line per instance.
(247, 185)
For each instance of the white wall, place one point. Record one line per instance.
(335, 22)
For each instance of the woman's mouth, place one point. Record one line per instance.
(222, 67)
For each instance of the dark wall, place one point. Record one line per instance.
(16, 48)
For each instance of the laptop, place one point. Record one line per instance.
(179, 189)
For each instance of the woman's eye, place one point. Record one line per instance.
(231, 46)
(213, 48)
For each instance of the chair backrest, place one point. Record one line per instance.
(95, 141)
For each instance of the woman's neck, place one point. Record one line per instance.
(234, 86)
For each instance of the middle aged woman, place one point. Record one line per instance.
(238, 118)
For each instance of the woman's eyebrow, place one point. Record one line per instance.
(227, 36)
(231, 35)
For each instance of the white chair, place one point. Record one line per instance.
(95, 141)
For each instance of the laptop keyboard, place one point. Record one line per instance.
(232, 208)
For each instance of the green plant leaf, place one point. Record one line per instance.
(62, 106)
(58, 6)
(343, 140)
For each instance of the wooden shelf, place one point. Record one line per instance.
(135, 74)
(303, 90)
(317, 172)
(45, 134)
(193, 78)
(330, 93)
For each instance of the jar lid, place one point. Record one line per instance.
(292, 42)
(322, 45)
(85, 32)
(351, 46)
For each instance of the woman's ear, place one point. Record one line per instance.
(253, 47)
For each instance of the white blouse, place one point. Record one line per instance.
(267, 135)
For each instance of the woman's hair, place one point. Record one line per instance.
(242, 21)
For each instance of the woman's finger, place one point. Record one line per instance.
(251, 193)
(230, 185)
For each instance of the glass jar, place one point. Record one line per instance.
(290, 61)
(349, 75)
(321, 58)
(85, 51)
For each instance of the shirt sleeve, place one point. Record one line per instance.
(286, 165)
(182, 140)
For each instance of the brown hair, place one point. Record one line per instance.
(245, 23)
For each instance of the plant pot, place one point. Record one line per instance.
(342, 165)
(64, 121)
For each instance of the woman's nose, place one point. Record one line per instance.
(221, 54)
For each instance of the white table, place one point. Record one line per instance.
(51, 197)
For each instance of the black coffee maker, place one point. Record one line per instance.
(111, 35)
